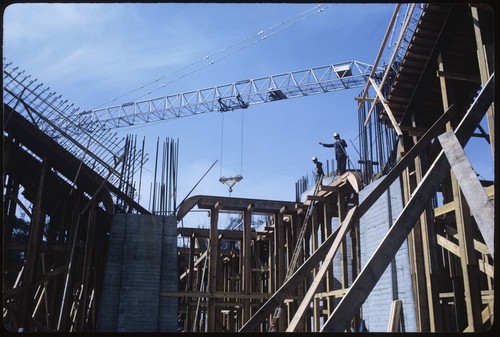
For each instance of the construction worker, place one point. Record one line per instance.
(340, 152)
(319, 168)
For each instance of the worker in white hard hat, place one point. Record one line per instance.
(319, 168)
(340, 152)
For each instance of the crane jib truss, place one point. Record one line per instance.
(238, 95)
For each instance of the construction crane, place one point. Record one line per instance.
(229, 97)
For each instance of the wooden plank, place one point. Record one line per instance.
(246, 262)
(212, 265)
(479, 204)
(328, 188)
(486, 314)
(204, 233)
(379, 55)
(458, 76)
(444, 209)
(413, 130)
(35, 239)
(394, 316)
(304, 305)
(490, 191)
(486, 268)
(316, 198)
(369, 276)
(196, 263)
(448, 245)
(217, 294)
(386, 107)
(484, 71)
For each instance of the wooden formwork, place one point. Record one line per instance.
(234, 280)
(443, 89)
(224, 284)
(56, 220)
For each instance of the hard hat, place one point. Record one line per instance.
(336, 135)
(314, 158)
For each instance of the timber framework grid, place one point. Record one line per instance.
(431, 105)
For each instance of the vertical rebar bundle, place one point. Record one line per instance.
(377, 144)
(163, 198)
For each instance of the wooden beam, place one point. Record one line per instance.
(448, 245)
(458, 76)
(486, 314)
(455, 249)
(444, 209)
(35, 239)
(479, 204)
(315, 198)
(304, 305)
(217, 294)
(381, 50)
(204, 233)
(328, 188)
(212, 265)
(246, 263)
(484, 71)
(386, 107)
(196, 263)
(394, 316)
(361, 99)
(413, 130)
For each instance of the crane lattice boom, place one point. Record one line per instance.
(238, 95)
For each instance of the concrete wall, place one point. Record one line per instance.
(395, 283)
(141, 261)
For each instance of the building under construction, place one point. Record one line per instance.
(405, 242)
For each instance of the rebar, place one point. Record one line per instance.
(51, 112)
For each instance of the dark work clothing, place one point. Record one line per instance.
(340, 154)
(339, 146)
(319, 168)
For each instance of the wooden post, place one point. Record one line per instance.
(395, 316)
(281, 266)
(212, 266)
(327, 225)
(246, 252)
(188, 320)
(35, 238)
(483, 57)
(343, 245)
(316, 313)
(479, 204)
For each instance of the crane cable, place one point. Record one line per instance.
(241, 141)
(259, 36)
(230, 181)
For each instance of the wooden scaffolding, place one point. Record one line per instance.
(442, 90)
(233, 280)
(224, 285)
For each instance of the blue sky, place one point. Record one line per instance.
(93, 53)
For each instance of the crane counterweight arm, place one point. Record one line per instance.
(238, 95)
